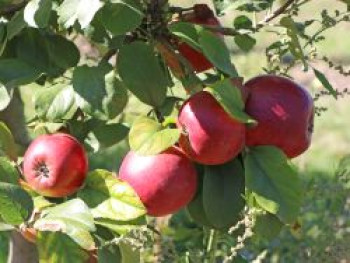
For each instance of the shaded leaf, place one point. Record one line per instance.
(273, 181)
(142, 74)
(109, 254)
(16, 205)
(245, 42)
(223, 190)
(7, 142)
(61, 51)
(117, 97)
(122, 16)
(8, 173)
(16, 72)
(242, 22)
(109, 134)
(216, 51)
(89, 84)
(294, 45)
(187, 32)
(325, 83)
(15, 25)
(4, 246)
(267, 226)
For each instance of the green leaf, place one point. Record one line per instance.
(4, 246)
(15, 25)
(89, 84)
(267, 226)
(121, 227)
(325, 83)
(294, 45)
(242, 22)
(54, 103)
(223, 190)
(117, 97)
(110, 198)
(142, 74)
(148, 137)
(245, 42)
(61, 51)
(129, 253)
(16, 72)
(37, 13)
(31, 48)
(3, 38)
(230, 98)
(122, 16)
(59, 248)
(16, 205)
(8, 173)
(7, 142)
(187, 32)
(73, 218)
(82, 11)
(109, 134)
(273, 181)
(5, 96)
(109, 254)
(216, 51)
(196, 209)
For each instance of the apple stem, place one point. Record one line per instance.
(212, 246)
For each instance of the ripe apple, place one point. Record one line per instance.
(165, 182)
(55, 165)
(284, 111)
(203, 15)
(210, 136)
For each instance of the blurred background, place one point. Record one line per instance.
(324, 231)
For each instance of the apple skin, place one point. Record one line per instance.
(55, 165)
(165, 182)
(210, 135)
(203, 15)
(284, 111)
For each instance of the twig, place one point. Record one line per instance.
(10, 9)
(227, 31)
(276, 13)
(108, 55)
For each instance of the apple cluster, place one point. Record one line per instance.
(56, 165)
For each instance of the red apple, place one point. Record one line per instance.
(55, 165)
(203, 15)
(284, 111)
(211, 136)
(165, 182)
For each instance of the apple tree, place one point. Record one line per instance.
(206, 141)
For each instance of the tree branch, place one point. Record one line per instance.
(276, 13)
